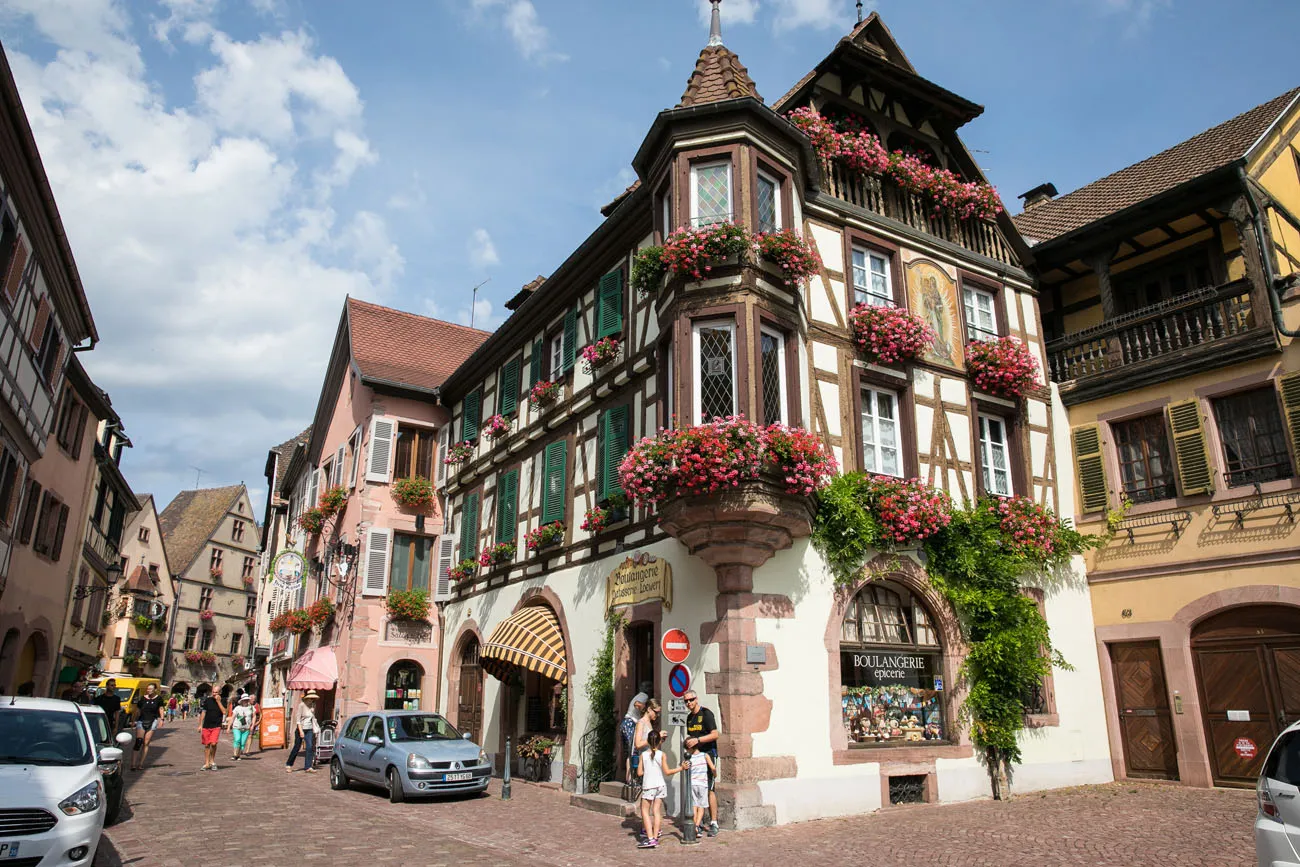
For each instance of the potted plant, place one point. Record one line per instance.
(333, 501)
(216, 573)
(536, 753)
(131, 660)
(888, 335)
(795, 257)
(152, 659)
(143, 622)
(600, 354)
(414, 493)
(206, 614)
(320, 612)
(648, 270)
(250, 622)
(463, 571)
(692, 253)
(595, 520)
(496, 427)
(544, 393)
(544, 536)
(312, 520)
(458, 453)
(238, 660)
(1004, 367)
(208, 657)
(408, 605)
(495, 555)
(248, 580)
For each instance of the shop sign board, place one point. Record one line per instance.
(676, 646)
(287, 570)
(640, 579)
(679, 680)
(271, 731)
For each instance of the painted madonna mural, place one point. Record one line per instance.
(891, 669)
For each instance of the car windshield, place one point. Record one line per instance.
(421, 727)
(42, 737)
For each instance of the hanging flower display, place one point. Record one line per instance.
(458, 453)
(1030, 529)
(333, 501)
(407, 605)
(799, 457)
(216, 573)
(320, 612)
(238, 660)
(495, 555)
(312, 520)
(792, 254)
(648, 269)
(600, 353)
(462, 571)
(595, 520)
(889, 335)
(496, 427)
(544, 393)
(250, 622)
(692, 252)
(206, 614)
(413, 492)
(1004, 367)
(909, 510)
(544, 536)
(249, 580)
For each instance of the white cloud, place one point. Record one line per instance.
(520, 20)
(785, 14)
(482, 252)
(1139, 12)
(484, 316)
(206, 233)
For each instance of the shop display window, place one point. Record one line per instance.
(402, 688)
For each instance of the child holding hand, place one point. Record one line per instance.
(654, 771)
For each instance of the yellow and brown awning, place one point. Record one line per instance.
(531, 639)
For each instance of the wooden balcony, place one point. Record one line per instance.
(882, 196)
(1217, 325)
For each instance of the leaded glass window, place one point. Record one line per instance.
(880, 439)
(771, 348)
(711, 193)
(871, 284)
(715, 388)
(769, 202)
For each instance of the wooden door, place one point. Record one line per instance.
(1238, 715)
(1286, 663)
(1146, 729)
(469, 709)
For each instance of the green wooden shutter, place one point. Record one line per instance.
(570, 347)
(1190, 452)
(1289, 386)
(609, 304)
(469, 526)
(553, 463)
(507, 505)
(535, 364)
(1090, 467)
(508, 387)
(613, 430)
(471, 415)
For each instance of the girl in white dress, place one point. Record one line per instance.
(654, 771)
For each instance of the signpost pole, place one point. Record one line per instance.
(688, 815)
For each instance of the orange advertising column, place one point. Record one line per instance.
(271, 731)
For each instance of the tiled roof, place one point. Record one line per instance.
(140, 582)
(407, 349)
(1203, 153)
(285, 451)
(190, 519)
(719, 75)
(618, 200)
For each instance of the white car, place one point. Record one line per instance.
(52, 800)
(1277, 826)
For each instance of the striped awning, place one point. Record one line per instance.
(531, 639)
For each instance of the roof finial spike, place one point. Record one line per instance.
(715, 24)
(859, 11)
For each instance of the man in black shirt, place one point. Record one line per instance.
(702, 731)
(111, 703)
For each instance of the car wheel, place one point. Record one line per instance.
(338, 779)
(396, 793)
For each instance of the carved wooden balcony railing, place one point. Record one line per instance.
(1200, 318)
(884, 197)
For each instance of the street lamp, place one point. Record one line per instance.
(81, 591)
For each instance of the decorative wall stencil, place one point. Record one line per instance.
(932, 295)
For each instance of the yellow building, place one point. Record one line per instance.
(1169, 296)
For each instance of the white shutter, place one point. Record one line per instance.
(338, 469)
(440, 471)
(354, 471)
(446, 558)
(380, 453)
(376, 572)
(313, 495)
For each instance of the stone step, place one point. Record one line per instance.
(603, 804)
(612, 788)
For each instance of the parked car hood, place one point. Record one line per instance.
(42, 785)
(443, 751)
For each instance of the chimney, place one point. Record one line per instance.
(1039, 194)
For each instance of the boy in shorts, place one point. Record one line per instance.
(701, 768)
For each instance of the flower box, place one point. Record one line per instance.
(463, 571)
(795, 257)
(206, 614)
(143, 622)
(414, 493)
(249, 580)
(151, 659)
(600, 354)
(888, 335)
(250, 622)
(1030, 529)
(496, 427)
(544, 536)
(458, 453)
(544, 393)
(238, 660)
(407, 605)
(692, 253)
(131, 660)
(312, 521)
(596, 519)
(333, 501)
(648, 270)
(1003, 368)
(495, 555)
(216, 573)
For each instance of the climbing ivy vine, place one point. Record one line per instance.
(599, 689)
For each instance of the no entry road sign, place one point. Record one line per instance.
(679, 680)
(676, 646)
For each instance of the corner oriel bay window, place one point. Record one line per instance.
(412, 562)
(995, 457)
(880, 439)
(871, 279)
(415, 447)
(715, 370)
(981, 318)
(1254, 442)
(891, 669)
(771, 359)
(1144, 464)
(767, 206)
(710, 193)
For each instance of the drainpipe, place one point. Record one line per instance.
(1265, 258)
(442, 656)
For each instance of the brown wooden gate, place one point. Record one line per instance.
(1146, 729)
(469, 709)
(1248, 675)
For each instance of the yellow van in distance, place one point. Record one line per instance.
(129, 689)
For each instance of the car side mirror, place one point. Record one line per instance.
(110, 754)
(466, 736)
(375, 741)
(124, 739)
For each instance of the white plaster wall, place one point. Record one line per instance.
(952, 390)
(1011, 299)
(825, 357)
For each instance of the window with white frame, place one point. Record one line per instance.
(880, 434)
(981, 321)
(710, 193)
(667, 205)
(995, 458)
(768, 204)
(871, 283)
(715, 370)
(557, 355)
(771, 358)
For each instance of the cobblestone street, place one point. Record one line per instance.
(254, 813)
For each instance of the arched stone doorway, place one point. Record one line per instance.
(31, 658)
(8, 661)
(1247, 663)
(469, 696)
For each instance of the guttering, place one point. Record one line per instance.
(376, 382)
(1266, 260)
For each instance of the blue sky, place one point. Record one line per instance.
(229, 169)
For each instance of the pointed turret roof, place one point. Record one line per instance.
(719, 75)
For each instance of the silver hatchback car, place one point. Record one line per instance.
(408, 753)
(1277, 824)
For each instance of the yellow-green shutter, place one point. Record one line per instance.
(1289, 386)
(1190, 451)
(1090, 467)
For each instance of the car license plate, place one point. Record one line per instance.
(453, 778)
(8, 850)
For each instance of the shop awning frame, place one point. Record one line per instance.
(530, 639)
(316, 669)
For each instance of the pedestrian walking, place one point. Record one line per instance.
(241, 725)
(185, 707)
(171, 709)
(111, 703)
(627, 731)
(654, 772)
(148, 717)
(305, 729)
(702, 731)
(211, 712)
(700, 766)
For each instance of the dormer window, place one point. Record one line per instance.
(768, 204)
(710, 193)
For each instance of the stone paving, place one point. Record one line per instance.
(253, 813)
